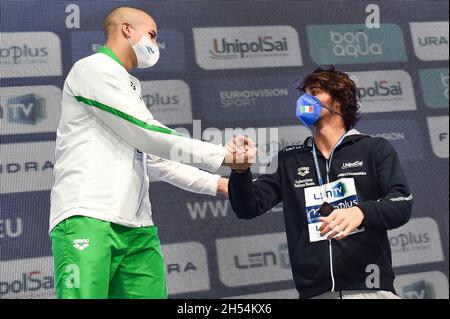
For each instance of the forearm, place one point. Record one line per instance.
(242, 195)
(183, 176)
(386, 214)
(394, 207)
(107, 95)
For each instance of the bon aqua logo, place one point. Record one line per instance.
(354, 43)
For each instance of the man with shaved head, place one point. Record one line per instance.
(125, 26)
(104, 242)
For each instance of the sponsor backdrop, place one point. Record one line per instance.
(230, 64)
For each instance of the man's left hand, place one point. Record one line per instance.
(341, 222)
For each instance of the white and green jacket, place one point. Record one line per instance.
(104, 139)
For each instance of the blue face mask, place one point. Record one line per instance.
(308, 109)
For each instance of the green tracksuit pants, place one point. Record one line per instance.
(99, 259)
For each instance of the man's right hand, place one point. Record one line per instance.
(241, 153)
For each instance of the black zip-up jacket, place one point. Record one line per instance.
(384, 198)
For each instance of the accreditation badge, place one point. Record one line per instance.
(340, 194)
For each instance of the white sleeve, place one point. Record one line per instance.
(183, 176)
(110, 97)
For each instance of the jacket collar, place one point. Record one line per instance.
(105, 50)
(352, 135)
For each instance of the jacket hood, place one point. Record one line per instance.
(351, 136)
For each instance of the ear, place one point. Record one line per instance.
(126, 30)
(337, 105)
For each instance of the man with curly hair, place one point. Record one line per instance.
(341, 191)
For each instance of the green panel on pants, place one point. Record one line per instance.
(99, 259)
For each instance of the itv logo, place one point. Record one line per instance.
(25, 109)
(337, 191)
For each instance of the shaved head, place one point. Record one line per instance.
(122, 15)
(124, 27)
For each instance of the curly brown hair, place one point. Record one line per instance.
(341, 88)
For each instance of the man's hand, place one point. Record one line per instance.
(241, 153)
(222, 186)
(341, 222)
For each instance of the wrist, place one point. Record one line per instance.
(240, 171)
(222, 186)
(359, 209)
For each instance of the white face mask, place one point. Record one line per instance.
(147, 53)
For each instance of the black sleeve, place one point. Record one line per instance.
(393, 209)
(249, 198)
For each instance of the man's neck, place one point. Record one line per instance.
(326, 136)
(122, 53)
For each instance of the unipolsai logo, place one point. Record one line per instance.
(352, 164)
(246, 47)
(30, 281)
(25, 109)
(27, 278)
(354, 43)
(385, 91)
(233, 48)
(381, 88)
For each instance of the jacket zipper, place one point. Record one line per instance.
(328, 167)
(330, 249)
(331, 266)
(141, 196)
